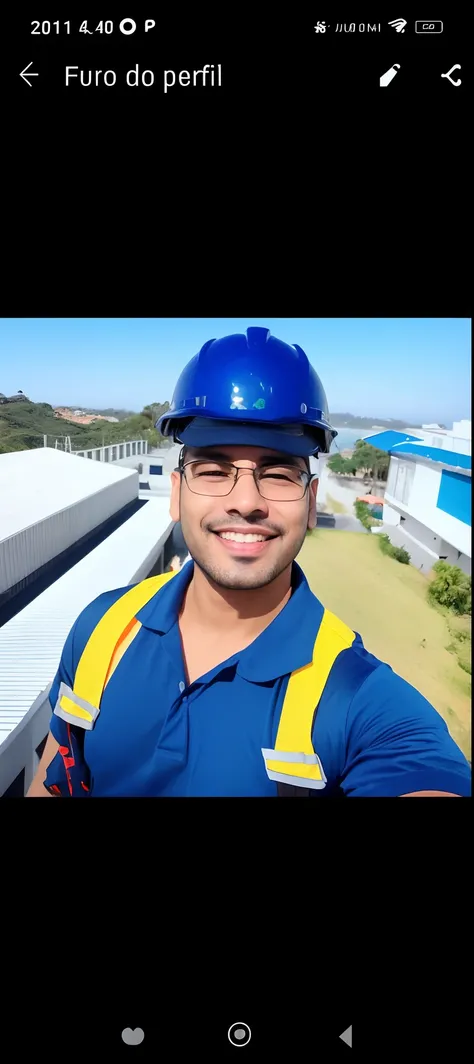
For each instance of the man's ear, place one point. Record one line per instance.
(312, 492)
(175, 493)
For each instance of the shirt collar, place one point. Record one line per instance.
(285, 645)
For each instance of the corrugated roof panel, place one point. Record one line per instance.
(31, 642)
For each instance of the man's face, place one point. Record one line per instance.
(202, 517)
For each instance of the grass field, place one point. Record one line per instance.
(385, 602)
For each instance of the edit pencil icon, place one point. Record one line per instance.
(389, 75)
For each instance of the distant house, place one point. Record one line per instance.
(428, 493)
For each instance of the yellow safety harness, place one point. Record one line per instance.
(293, 762)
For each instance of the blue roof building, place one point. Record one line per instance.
(427, 504)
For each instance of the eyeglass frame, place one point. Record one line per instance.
(181, 468)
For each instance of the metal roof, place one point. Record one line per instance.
(386, 440)
(402, 443)
(37, 483)
(436, 454)
(32, 641)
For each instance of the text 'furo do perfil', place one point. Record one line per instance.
(208, 77)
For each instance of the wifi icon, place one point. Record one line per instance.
(399, 24)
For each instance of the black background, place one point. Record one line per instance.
(299, 178)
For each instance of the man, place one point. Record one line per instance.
(234, 680)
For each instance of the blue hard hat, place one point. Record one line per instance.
(250, 389)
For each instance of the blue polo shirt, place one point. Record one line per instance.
(155, 736)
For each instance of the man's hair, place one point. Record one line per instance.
(185, 451)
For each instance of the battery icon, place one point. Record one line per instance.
(428, 27)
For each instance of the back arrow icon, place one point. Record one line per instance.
(30, 75)
(347, 1036)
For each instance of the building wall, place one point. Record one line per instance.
(462, 429)
(454, 497)
(456, 439)
(422, 535)
(159, 482)
(391, 516)
(434, 546)
(421, 501)
(135, 454)
(449, 442)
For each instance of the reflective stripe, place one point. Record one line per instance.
(303, 694)
(283, 755)
(75, 710)
(306, 769)
(296, 781)
(97, 657)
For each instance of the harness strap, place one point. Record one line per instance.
(294, 761)
(103, 650)
(292, 764)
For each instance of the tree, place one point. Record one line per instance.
(371, 460)
(337, 464)
(451, 587)
(344, 466)
(154, 410)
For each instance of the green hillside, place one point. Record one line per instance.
(23, 426)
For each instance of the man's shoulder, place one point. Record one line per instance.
(364, 688)
(98, 606)
(78, 637)
(87, 620)
(351, 668)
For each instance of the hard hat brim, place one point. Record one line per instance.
(288, 439)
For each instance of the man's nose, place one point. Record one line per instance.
(245, 495)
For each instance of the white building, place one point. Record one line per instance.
(70, 529)
(427, 504)
(153, 466)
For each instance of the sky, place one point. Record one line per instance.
(413, 369)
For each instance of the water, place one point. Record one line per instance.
(347, 438)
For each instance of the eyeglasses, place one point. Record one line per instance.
(277, 483)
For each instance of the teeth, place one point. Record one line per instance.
(240, 538)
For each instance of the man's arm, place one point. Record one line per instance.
(430, 794)
(398, 745)
(37, 788)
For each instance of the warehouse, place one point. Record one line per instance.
(70, 529)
